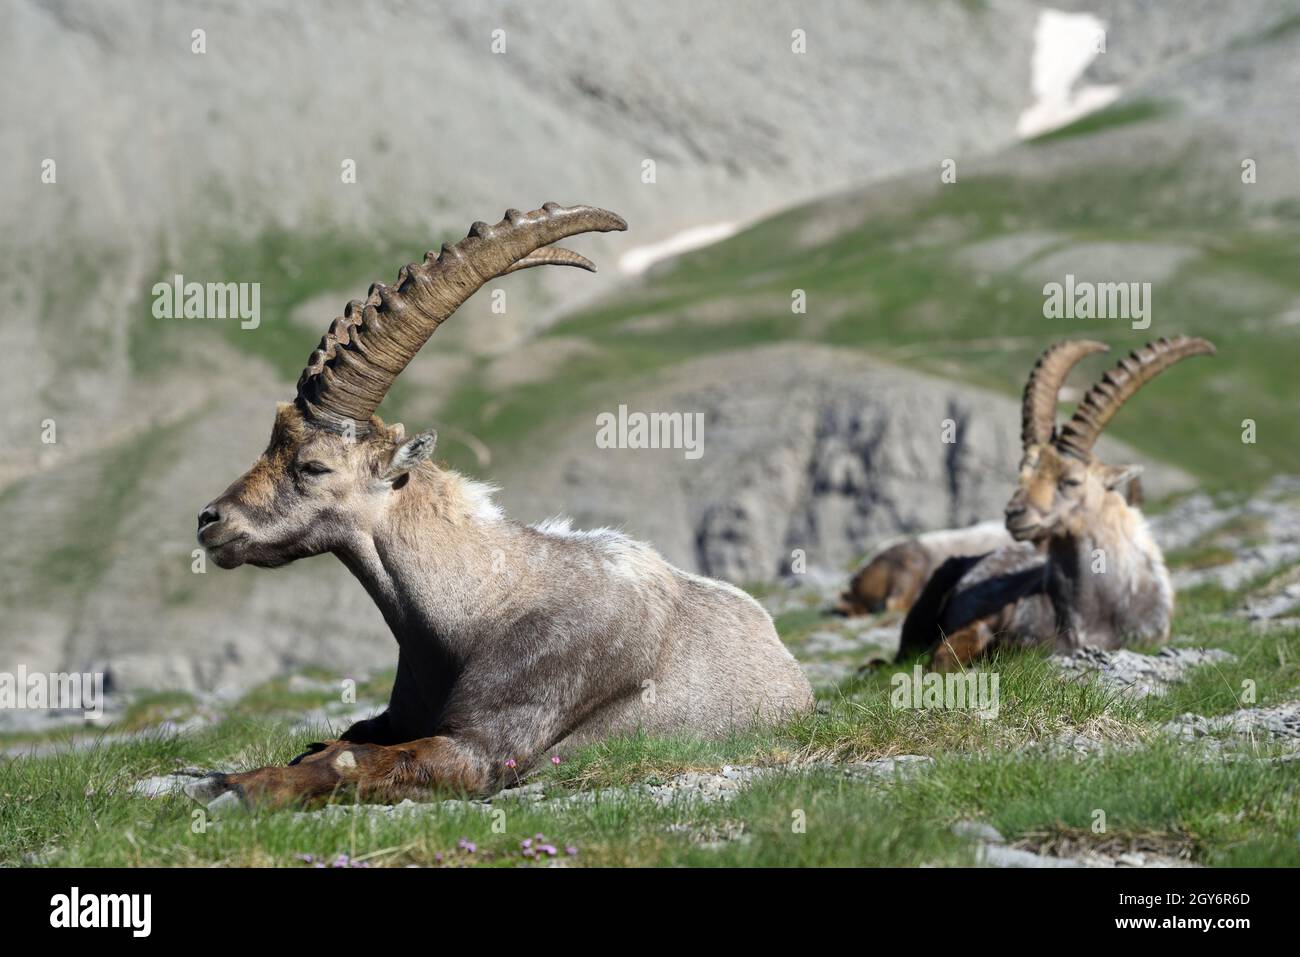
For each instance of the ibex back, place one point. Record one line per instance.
(514, 641)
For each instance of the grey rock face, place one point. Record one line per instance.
(245, 165)
(825, 454)
(1261, 535)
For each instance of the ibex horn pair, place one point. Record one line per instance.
(1103, 400)
(368, 346)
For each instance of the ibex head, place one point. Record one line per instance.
(1061, 481)
(332, 465)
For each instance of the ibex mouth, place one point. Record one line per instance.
(1025, 532)
(225, 560)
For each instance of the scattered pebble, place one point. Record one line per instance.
(978, 831)
(164, 785)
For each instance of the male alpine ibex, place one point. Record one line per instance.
(893, 575)
(1084, 570)
(513, 640)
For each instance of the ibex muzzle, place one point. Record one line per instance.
(312, 491)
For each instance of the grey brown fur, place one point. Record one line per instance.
(894, 574)
(514, 641)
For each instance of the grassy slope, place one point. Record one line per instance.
(1243, 812)
(896, 287)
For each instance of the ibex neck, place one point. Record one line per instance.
(1107, 578)
(438, 563)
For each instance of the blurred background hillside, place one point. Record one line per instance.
(774, 171)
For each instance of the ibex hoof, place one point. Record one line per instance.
(227, 801)
(208, 788)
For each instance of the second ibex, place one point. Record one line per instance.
(1084, 570)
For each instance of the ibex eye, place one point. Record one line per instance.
(314, 468)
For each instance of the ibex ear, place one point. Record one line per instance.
(410, 454)
(1113, 476)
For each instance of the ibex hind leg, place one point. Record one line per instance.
(374, 773)
(376, 730)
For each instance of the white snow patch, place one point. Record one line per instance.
(1064, 45)
(640, 258)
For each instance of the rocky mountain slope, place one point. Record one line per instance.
(924, 298)
(168, 160)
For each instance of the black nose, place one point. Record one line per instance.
(208, 516)
(1013, 511)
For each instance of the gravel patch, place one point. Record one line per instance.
(998, 855)
(978, 831)
(1133, 673)
(706, 787)
(1279, 722)
(165, 785)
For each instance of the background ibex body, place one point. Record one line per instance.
(893, 575)
(514, 640)
(1084, 569)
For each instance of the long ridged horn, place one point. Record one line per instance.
(368, 346)
(1038, 410)
(1103, 400)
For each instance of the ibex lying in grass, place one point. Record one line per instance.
(514, 641)
(1084, 569)
(894, 574)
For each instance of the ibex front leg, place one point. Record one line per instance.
(374, 772)
(961, 648)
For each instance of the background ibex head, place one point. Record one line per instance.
(332, 466)
(1061, 481)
